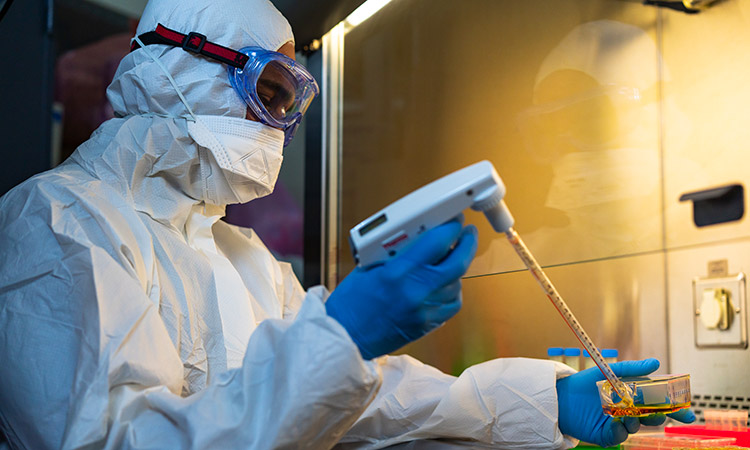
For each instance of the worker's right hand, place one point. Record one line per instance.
(387, 306)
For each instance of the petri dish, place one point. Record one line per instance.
(660, 441)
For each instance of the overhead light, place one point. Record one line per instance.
(365, 11)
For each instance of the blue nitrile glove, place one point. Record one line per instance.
(387, 306)
(580, 410)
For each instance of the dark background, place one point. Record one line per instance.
(41, 30)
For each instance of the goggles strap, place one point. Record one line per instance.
(192, 42)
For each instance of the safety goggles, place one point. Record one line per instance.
(277, 89)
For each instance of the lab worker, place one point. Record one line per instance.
(132, 317)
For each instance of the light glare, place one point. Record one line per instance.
(365, 11)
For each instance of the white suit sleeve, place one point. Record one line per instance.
(285, 395)
(503, 403)
(87, 361)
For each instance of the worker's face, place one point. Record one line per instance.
(286, 50)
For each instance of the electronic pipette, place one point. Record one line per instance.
(390, 230)
(384, 234)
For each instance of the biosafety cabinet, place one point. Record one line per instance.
(621, 132)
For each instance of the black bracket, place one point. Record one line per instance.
(675, 5)
(686, 6)
(717, 205)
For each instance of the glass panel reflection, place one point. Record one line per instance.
(561, 96)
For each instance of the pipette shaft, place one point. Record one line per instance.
(536, 270)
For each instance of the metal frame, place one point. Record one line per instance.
(332, 90)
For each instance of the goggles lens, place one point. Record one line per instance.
(276, 88)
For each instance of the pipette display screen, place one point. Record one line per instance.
(374, 223)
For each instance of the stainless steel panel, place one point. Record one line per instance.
(720, 371)
(706, 97)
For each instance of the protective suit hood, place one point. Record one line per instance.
(141, 87)
(150, 152)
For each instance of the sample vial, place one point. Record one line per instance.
(610, 355)
(572, 357)
(725, 419)
(588, 362)
(555, 354)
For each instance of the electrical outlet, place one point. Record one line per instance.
(720, 313)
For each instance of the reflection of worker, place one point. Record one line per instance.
(592, 124)
(133, 317)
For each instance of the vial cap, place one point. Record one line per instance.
(572, 352)
(610, 353)
(555, 351)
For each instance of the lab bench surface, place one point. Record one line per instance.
(458, 445)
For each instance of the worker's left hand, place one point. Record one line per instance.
(580, 411)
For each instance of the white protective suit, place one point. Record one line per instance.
(126, 305)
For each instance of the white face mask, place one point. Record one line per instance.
(246, 158)
(247, 154)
